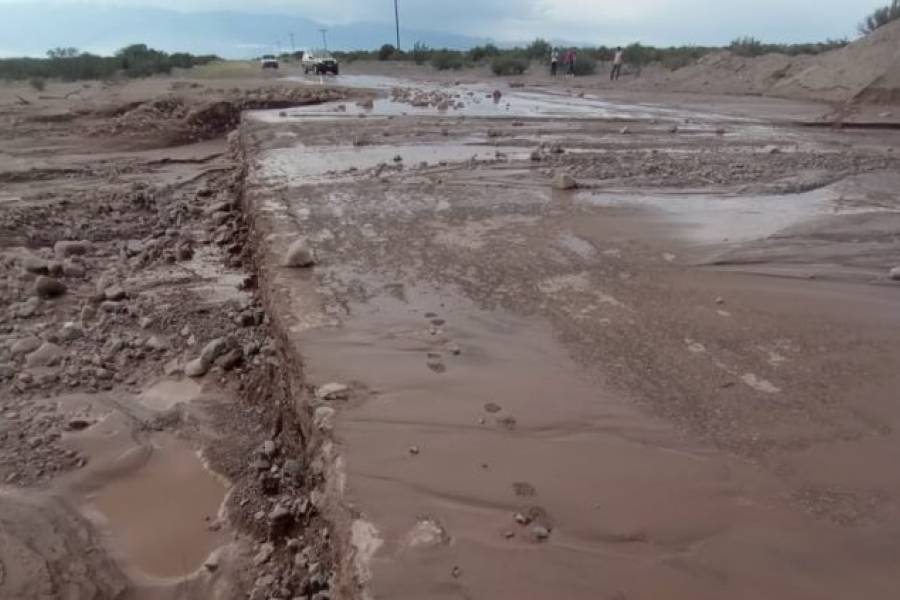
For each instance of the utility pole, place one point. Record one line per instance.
(397, 20)
(324, 39)
(278, 42)
(292, 44)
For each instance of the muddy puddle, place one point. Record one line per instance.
(300, 165)
(477, 101)
(161, 517)
(492, 466)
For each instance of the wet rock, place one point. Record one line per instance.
(299, 256)
(74, 270)
(333, 391)
(47, 287)
(157, 343)
(265, 553)
(38, 266)
(65, 249)
(47, 355)
(540, 533)
(26, 345)
(114, 293)
(894, 274)
(213, 350)
(323, 418)
(71, 332)
(196, 368)
(564, 181)
(26, 309)
(231, 359)
(293, 470)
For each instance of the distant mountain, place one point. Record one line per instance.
(30, 30)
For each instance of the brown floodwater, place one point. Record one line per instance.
(445, 449)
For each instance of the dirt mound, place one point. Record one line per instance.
(866, 70)
(726, 73)
(183, 119)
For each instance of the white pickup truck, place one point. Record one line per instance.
(269, 62)
(319, 62)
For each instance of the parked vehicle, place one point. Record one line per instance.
(269, 62)
(319, 62)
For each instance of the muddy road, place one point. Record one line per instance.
(570, 347)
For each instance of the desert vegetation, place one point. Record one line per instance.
(880, 17)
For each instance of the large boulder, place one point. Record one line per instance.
(47, 355)
(564, 181)
(299, 256)
(47, 287)
(67, 248)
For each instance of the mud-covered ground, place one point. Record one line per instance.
(595, 348)
(149, 442)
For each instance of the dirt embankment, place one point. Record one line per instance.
(867, 70)
(133, 348)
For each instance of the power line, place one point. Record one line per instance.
(324, 39)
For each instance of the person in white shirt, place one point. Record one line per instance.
(554, 62)
(617, 64)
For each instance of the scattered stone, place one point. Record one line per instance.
(323, 418)
(38, 266)
(77, 424)
(895, 274)
(492, 407)
(673, 129)
(70, 332)
(624, 130)
(114, 293)
(47, 355)
(26, 345)
(456, 572)
(414, 450)
(213, 350)
(299, 256)
(7, 371)
(540, 533)
(720, 300)
(26, 309)
(564, 181)
(47, 287)
(521, 519)
(268, 448)
(293, 469)
(265, 553)
(211, 563)
(173, 367)
(157, 343)
(196, 368)
(509, 534)
(65, 249)
(74, 270)
(231, 359)
(333, 391)
(280, 521)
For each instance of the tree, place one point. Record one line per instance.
(539, 49)
(63, 53)
(880, 17)
(386, 52)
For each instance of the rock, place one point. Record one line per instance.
(895, 274)
(537, 155)
(196, 368)
(78, 424)
(74, 270)
(211, 563)
(157, 343)
(673, 129)
(173, 367)
(299, 256)
(333, 391)
(36, 265)
(323, 418)
(268, 448)
(114, 293)
(265, 553)
(564, 181)
(293, 469)
(214, 350)
(624, 130)
(26, 309)
(540, 533)
(231, 359)
(7, 371)
(414, 450)
(280, 521)
(26, 345)
(65, 249)
(55, 268)
(47, 355)
(521, 519)
(47, 287)
(71, 332)
(720, 300)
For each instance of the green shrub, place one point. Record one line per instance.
(505, 65)
(386, 52)
(585, 65)
(421, 53)
(880, 17)
(37, 83)
(479, 53)
(444, 60)
(539, 49)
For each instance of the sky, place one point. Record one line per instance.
(609, 22)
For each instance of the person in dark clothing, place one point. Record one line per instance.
(554, 62)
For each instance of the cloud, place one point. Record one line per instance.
(592, 21)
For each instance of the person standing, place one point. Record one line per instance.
(573, 58)
(618, 59)
(554, 62)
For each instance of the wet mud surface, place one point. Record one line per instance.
(675, 380)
